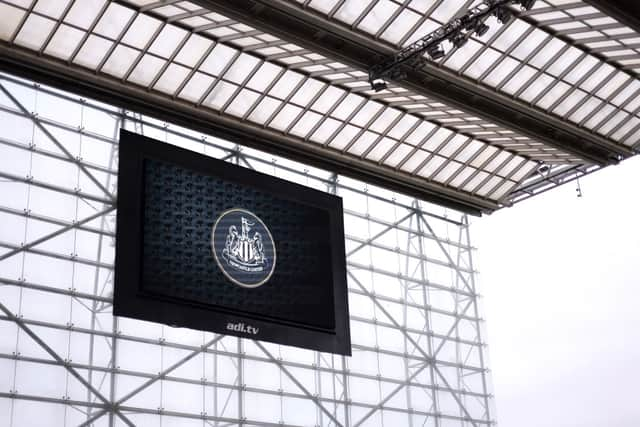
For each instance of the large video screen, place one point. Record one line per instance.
(205, 244)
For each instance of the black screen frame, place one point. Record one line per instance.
(129, 299)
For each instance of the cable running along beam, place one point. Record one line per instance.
(456, 31)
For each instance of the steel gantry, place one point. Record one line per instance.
(418, 351)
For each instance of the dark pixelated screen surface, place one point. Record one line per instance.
(180, 208)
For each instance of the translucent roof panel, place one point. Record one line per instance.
(192, 54)
(564, 57)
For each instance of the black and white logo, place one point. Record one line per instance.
(243, 248)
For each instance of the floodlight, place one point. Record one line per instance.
(543, 169)
(481, 29)
(378, 86)
(458, 40)
(503, 14)
(435, 52)
(527, 4)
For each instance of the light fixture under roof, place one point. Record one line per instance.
(481, 29)
(527, 4)
(459, 40)
(435, 52)
(503, 14)
(378, 86)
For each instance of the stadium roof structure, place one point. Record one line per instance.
(548, 96)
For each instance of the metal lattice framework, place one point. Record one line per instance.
(66, 361)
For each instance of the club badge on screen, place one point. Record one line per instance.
(243, 248)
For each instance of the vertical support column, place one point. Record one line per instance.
(405, 285)
(426, 305)
(114, 325)
(215, 382)
(476, 314)
(459, 303)
(94, 306)
(14, 387)
(241, 385)
(332, 188)
(114, 368)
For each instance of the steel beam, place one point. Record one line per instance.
(96, 291)
(465, 236)
(312, 30)
(552, 179)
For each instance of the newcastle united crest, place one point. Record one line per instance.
(243, 248)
